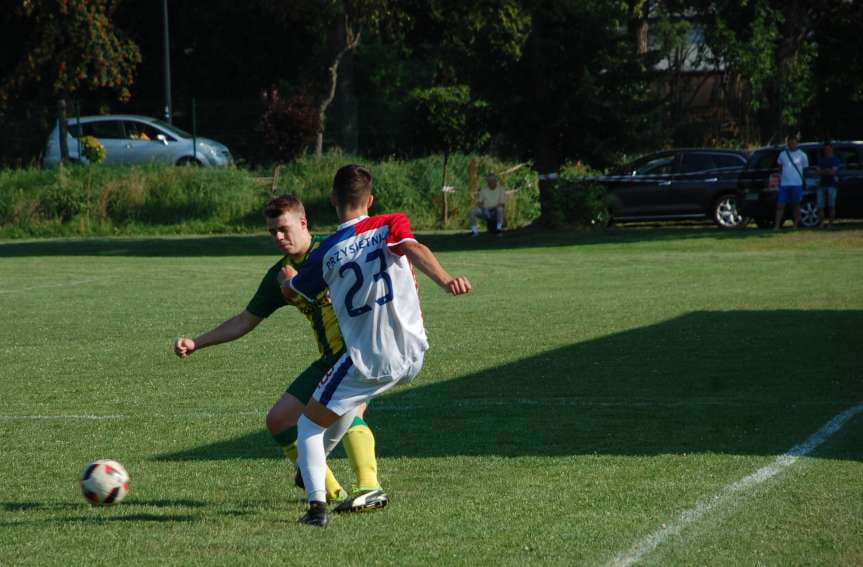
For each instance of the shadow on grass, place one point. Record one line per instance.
(132, 503)
(58, 506)
(735, 382)
(98, 516)
(130, 518)
(259, 244)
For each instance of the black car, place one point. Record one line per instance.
(759, 184)
(696, 183)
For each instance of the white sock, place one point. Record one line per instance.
(499, 226)
(336, 431)
(474, 229)
(312, 459)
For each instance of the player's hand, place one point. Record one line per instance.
(458, 286)
(286, 274)
(183, 347)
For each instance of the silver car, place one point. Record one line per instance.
(131, 139)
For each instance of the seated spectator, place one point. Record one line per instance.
(491, 206)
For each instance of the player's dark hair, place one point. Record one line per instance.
(352, 185)
(277, 206)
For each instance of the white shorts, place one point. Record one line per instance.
(343, 387)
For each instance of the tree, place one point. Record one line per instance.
(350, 39)
(451, 118)
(73, 47)
(583, 89)
(766, 47)
(836, 109)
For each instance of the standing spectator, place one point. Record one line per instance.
(828, 183)
(792, 162)
(491, 205)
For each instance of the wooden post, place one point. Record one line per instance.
(446, 190)
(275, 184)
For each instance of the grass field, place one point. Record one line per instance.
(602, 398)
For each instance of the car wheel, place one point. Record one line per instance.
(188, 161)
(602, 219)
(809, 214)
(726, 214)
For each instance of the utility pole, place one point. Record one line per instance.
(167, 63)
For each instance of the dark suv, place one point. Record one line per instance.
(695, 183)
(759, 184)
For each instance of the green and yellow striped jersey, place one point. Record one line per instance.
(320, 314)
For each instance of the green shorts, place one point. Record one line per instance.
(304, 385)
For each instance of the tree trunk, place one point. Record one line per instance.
(443, 188)
(62, 130)
(545, 150)
(351, 41)
(346, 99)
(793, 33)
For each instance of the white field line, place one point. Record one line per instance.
(655, 539)
(58, 284)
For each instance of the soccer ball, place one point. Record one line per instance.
(104, 482)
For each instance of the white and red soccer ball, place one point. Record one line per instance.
(104, 482)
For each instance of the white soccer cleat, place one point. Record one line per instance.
(363, 501)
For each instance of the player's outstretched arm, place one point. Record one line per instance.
(426, 262)
(230, 330)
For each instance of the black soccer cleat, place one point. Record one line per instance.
(298, 479)
(316, 515)
(364, 501)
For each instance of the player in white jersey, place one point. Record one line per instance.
(367, 266)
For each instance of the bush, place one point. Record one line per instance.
(88, 200)
(580, 202)
(92, 149)
(288, 125)
(107, 200)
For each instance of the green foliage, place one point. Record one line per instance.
(452, 117)
(100, 200)
(576, 201)
(75, 46)
(86, 200)
(92, 149)
(770, 46)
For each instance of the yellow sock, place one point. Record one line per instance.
(359, 443)
(334, 489)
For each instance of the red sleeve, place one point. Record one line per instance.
(400, 230)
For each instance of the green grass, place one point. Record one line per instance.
(160, 200)
(592, 389)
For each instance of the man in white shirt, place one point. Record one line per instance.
(792, 163)
(367, 267)
(491, 205)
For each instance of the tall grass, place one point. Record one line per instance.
(110, 200)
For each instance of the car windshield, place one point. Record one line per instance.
(647, 166)
(180, 133)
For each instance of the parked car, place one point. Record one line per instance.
(131, 139)
(694, 183)
(759, 184)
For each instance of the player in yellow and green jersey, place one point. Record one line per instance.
(286, 221)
